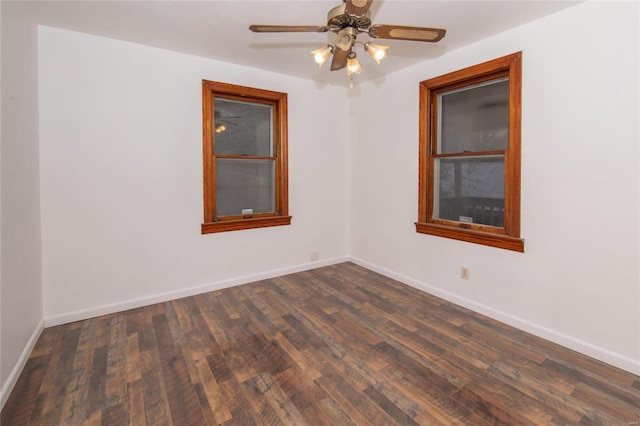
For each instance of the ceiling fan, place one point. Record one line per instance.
(348, 20)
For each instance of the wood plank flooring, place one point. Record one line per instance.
(338, 345)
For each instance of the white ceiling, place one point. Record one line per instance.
(219, 29)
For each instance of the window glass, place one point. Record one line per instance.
(245, 184)
(474, 118)
(470, 190)
(242, 128)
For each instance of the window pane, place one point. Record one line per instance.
(244, 184)
(470, 189)
(475, 118)
(242, 128)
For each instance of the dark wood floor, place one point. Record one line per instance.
(337, 345)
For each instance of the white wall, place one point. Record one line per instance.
(21, 290)
(121, 177)
(578, 281)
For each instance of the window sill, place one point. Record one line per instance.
(472, 236)
(237, 225)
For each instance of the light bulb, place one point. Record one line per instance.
(376, 51)
(322, 54)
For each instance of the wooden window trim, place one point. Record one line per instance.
(280, 154)
(509, 236)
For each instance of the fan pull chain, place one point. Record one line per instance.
(350, 82)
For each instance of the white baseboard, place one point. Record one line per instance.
(22, 361)
(83, 314)
(604, 355)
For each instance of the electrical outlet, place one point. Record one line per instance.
(464, 272)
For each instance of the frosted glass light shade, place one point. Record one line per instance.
(322, 54)
(353, 66)
(376, 51)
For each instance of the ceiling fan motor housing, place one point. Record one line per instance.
(337, 19)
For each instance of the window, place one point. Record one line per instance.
(244, 157)
(469, 176)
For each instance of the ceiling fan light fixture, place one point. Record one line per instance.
(321, 55)
(353, 66)
(377, 51)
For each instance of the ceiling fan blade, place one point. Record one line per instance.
(340, 58)
(357, 7)
(288, 29)
(399, 32)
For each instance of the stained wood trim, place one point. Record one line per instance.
(475, 73)
(513, 159)
(245, 217)
(282, 152)
(236, 225)
(470, 154)
(208, 165)
(245, 157)
(472, 236)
